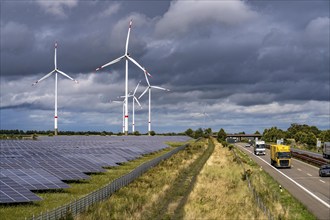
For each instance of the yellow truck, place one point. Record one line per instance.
(280, 156)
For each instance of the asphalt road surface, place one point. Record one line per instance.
(302, 181)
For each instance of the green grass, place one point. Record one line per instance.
(54, 199)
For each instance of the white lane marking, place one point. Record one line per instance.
(303, 188)
(322, 181)
(309, 174)
(299, 169)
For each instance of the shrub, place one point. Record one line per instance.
(34, 136)
(136, 133)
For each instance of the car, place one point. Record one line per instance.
(247, 145)
(324, 170)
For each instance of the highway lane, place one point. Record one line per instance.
(302, 181)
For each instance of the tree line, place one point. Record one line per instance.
(296, 134)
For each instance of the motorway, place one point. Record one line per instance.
(302, 181)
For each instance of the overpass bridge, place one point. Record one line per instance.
(240, 136)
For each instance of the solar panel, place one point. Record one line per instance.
(12, 192)
(34, 179)
(43, 164)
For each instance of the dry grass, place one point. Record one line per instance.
(219, 192)
(151, 194)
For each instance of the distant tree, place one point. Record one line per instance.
(207, 132)
(152, 133)
(136, 133)
(257, 132)
(295, 128)
(198, 133)
(273, 134)
(310, 139)
(325, 136)
(189, 132)
(222, 135)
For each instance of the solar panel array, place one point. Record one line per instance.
(44, 164)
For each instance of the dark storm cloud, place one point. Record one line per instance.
(239, 58)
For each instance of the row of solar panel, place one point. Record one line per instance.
(43, 164)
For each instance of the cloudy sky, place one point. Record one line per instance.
(249, 65)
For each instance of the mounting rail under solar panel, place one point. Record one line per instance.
(12, 192)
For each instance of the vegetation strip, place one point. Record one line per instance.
(246, 176)
(182, 187)
(156, 193)
(220, 192)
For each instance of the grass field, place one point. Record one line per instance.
(157, 193)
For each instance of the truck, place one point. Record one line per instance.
(326, 149)
(280, 156)
(259, 147)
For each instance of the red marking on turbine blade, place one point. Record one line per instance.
(126, 116)
(55, 117)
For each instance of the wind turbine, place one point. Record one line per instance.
(123, 102)
(204, 115)
(56, 70)
(149, 87)
(137, 101)
(127, 57)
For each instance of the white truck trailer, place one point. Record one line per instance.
(326, 150)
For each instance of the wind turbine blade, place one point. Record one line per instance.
(136, 88)
(55, 62)
(145, 75)
(128, 33)
(44, 77)
(110, 63)
(158, 87)
(137, 101)
(117, 102)
(144, 92)
(136, 63)
(64, 74)
(143, 69)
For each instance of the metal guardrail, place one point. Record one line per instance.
(80, 205)
(309, 159)
(258, 199)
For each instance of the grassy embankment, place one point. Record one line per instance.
(158, 194)
(165, 192)
(172, 191)
(56, 198)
